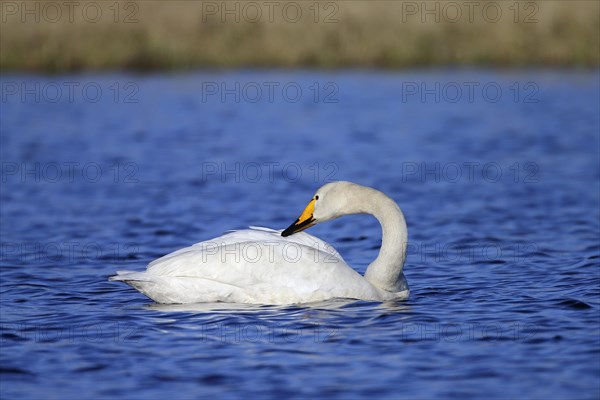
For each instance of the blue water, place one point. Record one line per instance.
(500, 192)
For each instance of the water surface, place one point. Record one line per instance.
(500, 194)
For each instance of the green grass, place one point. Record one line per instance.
(178, 35)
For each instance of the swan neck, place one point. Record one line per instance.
(385, 272)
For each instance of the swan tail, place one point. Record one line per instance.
(176, 290)
(125, 276)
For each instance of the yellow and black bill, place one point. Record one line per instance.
(305, 220)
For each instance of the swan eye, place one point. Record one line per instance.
(317, 197)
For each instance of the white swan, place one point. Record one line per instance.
(265, 266)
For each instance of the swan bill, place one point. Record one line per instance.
(298, 226)
(305, 220)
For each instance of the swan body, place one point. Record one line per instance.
(266, 266)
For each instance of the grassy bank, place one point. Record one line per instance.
(148, 35)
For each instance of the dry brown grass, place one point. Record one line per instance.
(174, 35)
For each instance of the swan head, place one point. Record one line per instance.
(329, 202)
